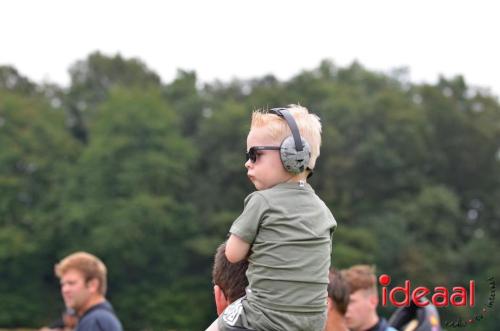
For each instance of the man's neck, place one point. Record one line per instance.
(335, 321)
(371, 322)
(93, 301)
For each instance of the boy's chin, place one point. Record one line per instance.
(258, 186)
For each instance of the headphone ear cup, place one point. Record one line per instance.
(294, 161)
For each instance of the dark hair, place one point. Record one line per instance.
(230, 277)
(338, 291)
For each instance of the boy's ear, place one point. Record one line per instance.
(220, 299)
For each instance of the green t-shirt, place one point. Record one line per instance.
(289, 228)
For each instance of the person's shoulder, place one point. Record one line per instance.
(102, 317)
(102, 314)
(100, 320)
(257, 197)
(326, 211)
(109, 322)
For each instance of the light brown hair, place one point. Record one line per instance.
(89, 265)
(361, 277)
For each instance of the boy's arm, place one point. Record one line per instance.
(236, 249)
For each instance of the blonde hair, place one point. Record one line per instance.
(309, 127)
(89, 265)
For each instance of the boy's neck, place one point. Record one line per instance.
(299, 178)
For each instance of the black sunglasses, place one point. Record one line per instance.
(252, 152)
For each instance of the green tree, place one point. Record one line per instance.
(132, 179)
(35, 155)
(12, 80)
(410, 171)
(185, 97)
(93, 78)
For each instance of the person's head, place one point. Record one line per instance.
(270, 130)
(338, 299)
(229, 279)
(363, 300)
(83, 280)
(338, 292)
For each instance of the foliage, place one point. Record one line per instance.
(149, 176)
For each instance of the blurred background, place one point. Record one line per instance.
(144, 168)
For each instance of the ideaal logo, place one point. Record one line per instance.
(440, 296)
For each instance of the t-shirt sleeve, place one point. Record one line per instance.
(247, 224)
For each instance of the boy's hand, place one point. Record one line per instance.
(236, 249)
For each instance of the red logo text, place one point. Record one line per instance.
(440, 296)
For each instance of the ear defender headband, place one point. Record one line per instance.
(295, 151)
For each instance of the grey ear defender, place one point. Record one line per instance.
(293, 160)
(295, 151)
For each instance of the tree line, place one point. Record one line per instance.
(148, 175)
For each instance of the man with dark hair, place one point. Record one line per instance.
(338, 300)
(228, 278)
(361, 312)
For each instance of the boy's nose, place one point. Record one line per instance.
(248, 163)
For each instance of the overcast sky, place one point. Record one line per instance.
(225, 39)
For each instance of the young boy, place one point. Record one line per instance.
(284, 230)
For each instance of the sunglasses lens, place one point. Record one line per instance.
(251, 155)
